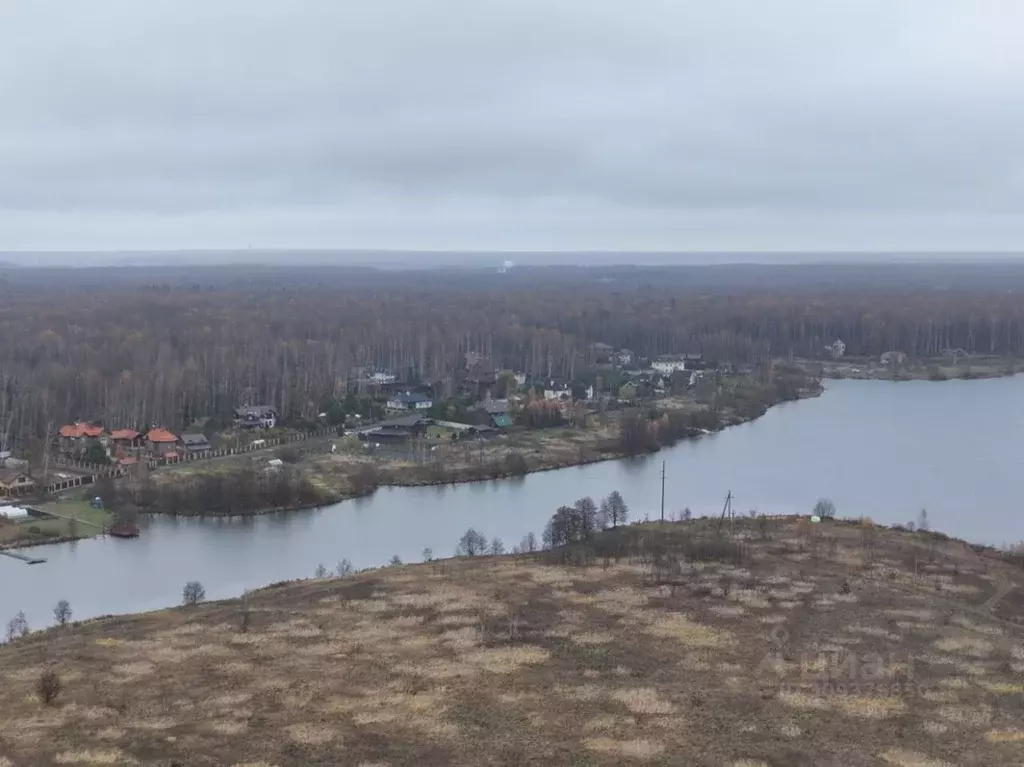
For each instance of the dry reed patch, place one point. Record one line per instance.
(253, 764)
(911, 614)
(872, 631)
(643, 700)
(1002, 688)
(748, 763)
(322, 650)
(153, 724)
(802, 701)
(641, 750)
(696, 661)
(978, 715)
(456, 619)
(592, 638)
(940, 696)
(371, 605)
(773, 619)
(751, 598)
(972, 646)
(606, 723)
(679, 627)
(107, 733)
(88, 713)
(552, 576)
(1004, 736)
(230, 699)
(869, 708)
(505, 660)
(579, 692)
(790, 730)
(379, 716)
(308, 734)
(435, 668)
(901, 757)
(109, 642)
(227, 726)
(788, 605)
(132, 671)
(935, 728)
(98, 756)
(461, 640)
(29, 674)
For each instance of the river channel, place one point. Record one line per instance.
(879, 449)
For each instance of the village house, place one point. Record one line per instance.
(75, 437)
(160, 443)
(623, 357)
(256, 417)
(192, 444)
(497, 413)
(837, 349)
(14, 483)
(125, 440)
(479, 378)
(409, 401)
(669, 363)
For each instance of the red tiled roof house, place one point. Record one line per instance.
(75, 437)
(125, 443)
(161, 443)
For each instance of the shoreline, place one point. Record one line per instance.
(731, 420)
(935, 370)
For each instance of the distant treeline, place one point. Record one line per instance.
(161, 346)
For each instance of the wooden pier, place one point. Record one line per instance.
(22, 557)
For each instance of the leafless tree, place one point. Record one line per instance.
(193, 593)
(343, 568)
(471, 544)
(497, 547)
(62, 612)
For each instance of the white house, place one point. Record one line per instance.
(668, 365)
(838, 348)
(382, 378)
(410, 401)
(520, 379)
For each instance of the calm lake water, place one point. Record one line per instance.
(879, 449)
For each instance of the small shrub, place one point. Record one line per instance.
(48, 687)
(395, 560)
(288, 454)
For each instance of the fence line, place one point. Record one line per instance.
(96, 471)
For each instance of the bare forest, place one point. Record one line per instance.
(159, 345)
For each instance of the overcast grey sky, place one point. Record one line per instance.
(533, 124)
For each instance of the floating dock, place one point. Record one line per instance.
(22, 557)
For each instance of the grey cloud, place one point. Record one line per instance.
(485, 124)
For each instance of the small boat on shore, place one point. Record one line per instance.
(123, 530)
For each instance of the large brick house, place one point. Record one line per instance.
(160, 443)
(75, 437)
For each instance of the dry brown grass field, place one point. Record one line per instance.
(785, 644)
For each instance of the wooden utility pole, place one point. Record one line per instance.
(726, 509)
(662, 491)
